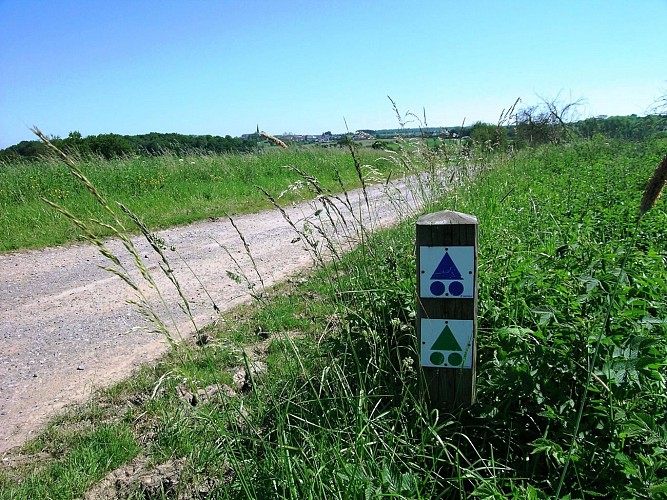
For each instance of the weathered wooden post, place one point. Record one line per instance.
(446, 247)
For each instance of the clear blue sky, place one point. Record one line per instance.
(222, 67)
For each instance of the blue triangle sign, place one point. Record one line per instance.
(446, 270)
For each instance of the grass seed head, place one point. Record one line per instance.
(654, 187)
(274, 140)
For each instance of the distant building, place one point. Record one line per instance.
(254, 136)
(361, 135)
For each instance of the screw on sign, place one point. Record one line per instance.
(446, 247)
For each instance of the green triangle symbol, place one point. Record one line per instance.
(446, 341)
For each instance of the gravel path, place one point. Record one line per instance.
(66, 328)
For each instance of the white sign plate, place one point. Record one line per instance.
(446, 272)
(446, 343)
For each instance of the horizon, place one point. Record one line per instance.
(333, 132)
(223, 68)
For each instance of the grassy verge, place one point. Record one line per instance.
(328, 405)
(164, 190)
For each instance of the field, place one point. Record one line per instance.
(572, 345)
(166, 190)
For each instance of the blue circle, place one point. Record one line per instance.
(437, 288)
(456, 288)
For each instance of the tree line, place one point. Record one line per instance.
(541, 125)
(549, 122)
(114, 145)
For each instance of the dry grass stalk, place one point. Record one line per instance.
(654, 187)
(311, 244)
(144, 306)
(274, 140)
(246, 246)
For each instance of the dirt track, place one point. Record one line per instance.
(66, 328)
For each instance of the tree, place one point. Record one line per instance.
(659, 107)
(75, 143)
(489, 137)
(25, 149)
(111, 145)
(345, 140)
(546, 122)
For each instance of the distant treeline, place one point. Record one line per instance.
(538, 126)
(535, 126)
(529, 127)
(114, 145)
(632, 128)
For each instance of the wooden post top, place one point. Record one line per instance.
(446, 217)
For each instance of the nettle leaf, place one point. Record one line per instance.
(544, 315)
(549, 448)
(549, 413)
(517, 332)
(621, 371)
(645, 426)
(650, 321)
(590, 283)
(640, 356)
(630, 469)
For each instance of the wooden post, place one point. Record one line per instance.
(446, 247)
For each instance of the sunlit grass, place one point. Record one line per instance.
(164, 190)
(338, 412)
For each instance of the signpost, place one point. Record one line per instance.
(446, 248)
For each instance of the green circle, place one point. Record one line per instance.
(437, 358)
(455, 359)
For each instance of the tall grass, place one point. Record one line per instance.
(338, 414)
(166, 190)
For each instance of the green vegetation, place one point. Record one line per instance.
(165, 190)
(543, 123)
(86, 453)
(489, 138)
(631, 128)
(110, 146)
(567, 270)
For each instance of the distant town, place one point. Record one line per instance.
(358, 135)
(154, 143)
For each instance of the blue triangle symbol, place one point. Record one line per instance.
(446, 270)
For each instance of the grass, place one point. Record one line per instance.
(89, 454)
(166, 190)
(338, 413)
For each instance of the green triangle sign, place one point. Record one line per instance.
(446, 341)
